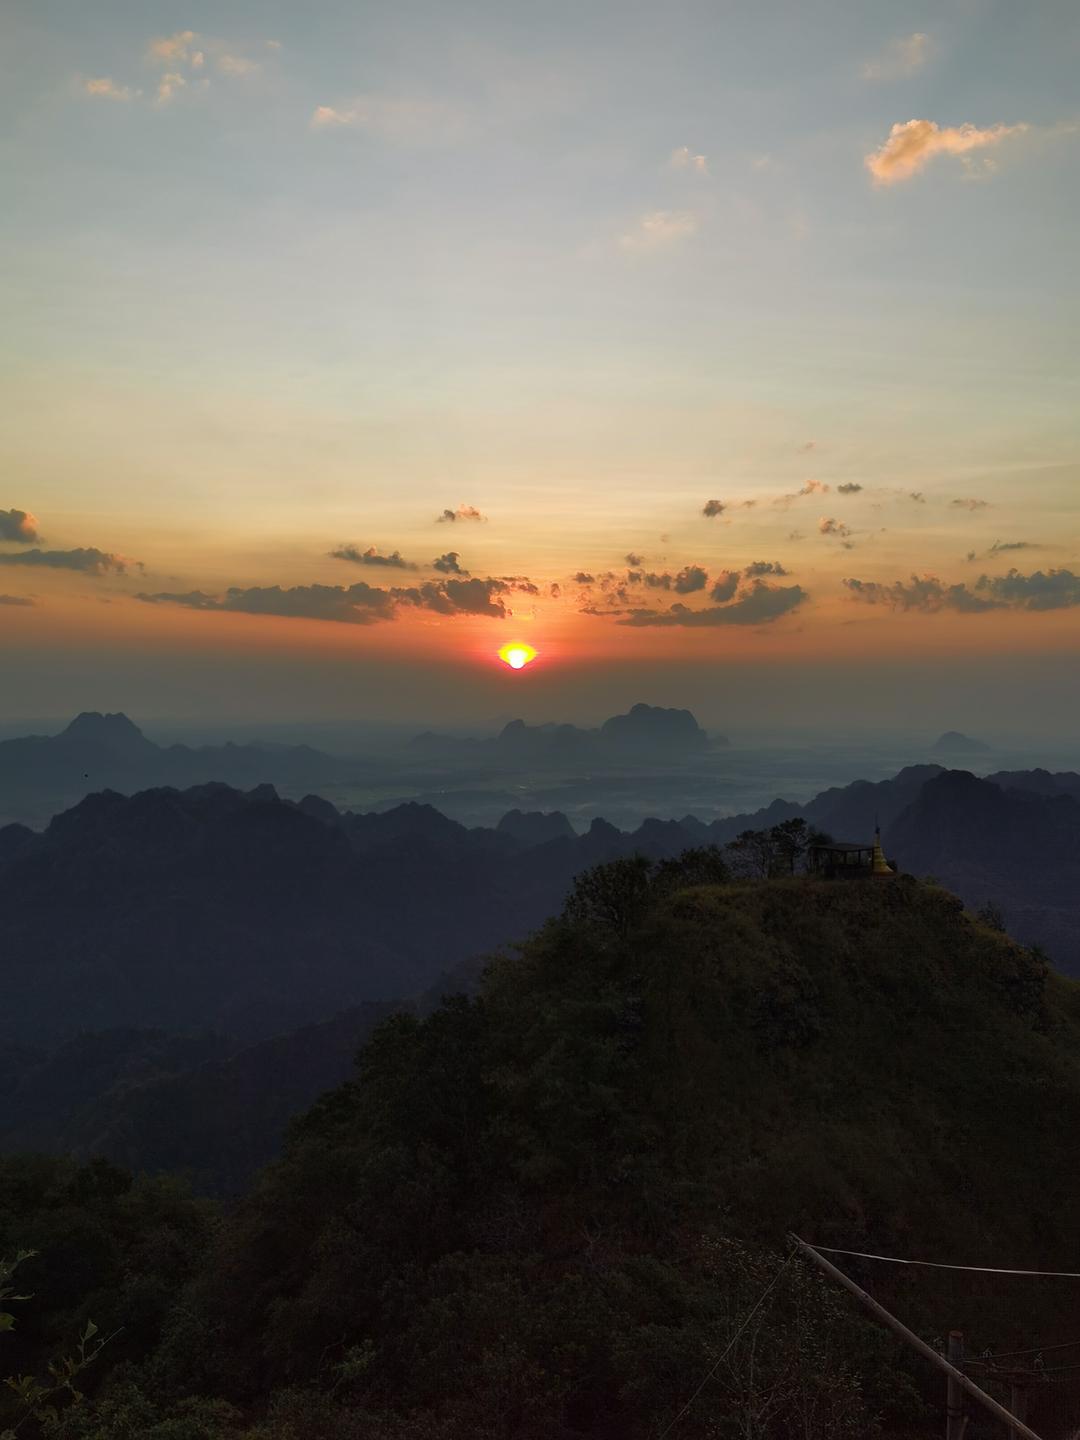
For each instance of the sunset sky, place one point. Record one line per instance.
(703, 347)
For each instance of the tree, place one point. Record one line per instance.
(754, 854)
(779, 850)
(992, 916)
(39, 1403)
(613, 896)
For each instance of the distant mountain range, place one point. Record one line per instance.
(195, 930)
(644, 730)
(43, 774)
(239, 911)
(109, 752)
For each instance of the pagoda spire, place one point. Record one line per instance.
(878, 864)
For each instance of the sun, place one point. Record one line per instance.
(517, 655)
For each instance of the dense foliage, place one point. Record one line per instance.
(553, 1209)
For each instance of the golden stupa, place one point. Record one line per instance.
(878, 864)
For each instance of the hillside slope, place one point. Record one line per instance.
(547, 1192)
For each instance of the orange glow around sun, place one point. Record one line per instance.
(517, 655)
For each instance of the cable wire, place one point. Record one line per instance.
(1035, 1350)
(938, 1265)
(731, 1344)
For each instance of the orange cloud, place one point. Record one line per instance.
(912, 145)
(172, 47)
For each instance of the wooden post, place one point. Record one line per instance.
(954, 1396)
(926, 1351)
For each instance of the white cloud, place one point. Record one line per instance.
(169, 86)
(900, 57)
(912, 145)
(399, 120)
(106, 89)
(659, 229)
(684, 159)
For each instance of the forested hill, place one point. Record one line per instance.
(543, 1212)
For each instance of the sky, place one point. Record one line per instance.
(724, 353)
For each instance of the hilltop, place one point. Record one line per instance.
(953, 742)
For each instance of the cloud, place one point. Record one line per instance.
(764, 567)
(16, 600)
(584, 578)
(851, 488)
(899, 58)
(463, 512)
(184, 58)
(659, 230)
(812, 487)
(760, 604)
(371, 556)
(923, 593)
(235, 64)
(690, 579)
(634, 560)
(168, 87)
(102, 88)
(359, 604)
(169, 48)
(969, 504)
(88, 561)
(449, 564)
(712, 508)
(1050, 590)
(805, 449)
(1001, 547)
(911, 146)
(399, 120)
(187, 47)
(917, 496)
(683, 158)
(18, 525)
(829, 526)
(555, 590)
(727, 582)
(462, 597)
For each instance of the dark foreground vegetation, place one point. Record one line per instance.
(547, 1210)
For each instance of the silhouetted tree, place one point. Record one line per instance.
(613, 896)
(992, 916)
